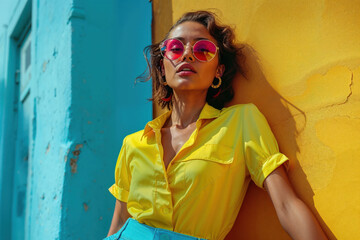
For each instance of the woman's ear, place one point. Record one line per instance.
(220, 70)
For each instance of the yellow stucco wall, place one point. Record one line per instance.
(306, 81)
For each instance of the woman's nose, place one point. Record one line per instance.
(188, 55)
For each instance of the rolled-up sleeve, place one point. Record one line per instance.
(261, 150)
(120, 189)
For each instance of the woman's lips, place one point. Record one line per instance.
(185, 73)
(185, 69)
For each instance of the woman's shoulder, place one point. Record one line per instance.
(134, 137)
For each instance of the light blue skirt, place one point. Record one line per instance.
(133, 230)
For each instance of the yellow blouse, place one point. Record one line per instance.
(201, 191)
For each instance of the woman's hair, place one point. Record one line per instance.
(228, 52)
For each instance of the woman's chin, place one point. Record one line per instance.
(183, 84)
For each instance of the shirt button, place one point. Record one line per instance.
(166, 210)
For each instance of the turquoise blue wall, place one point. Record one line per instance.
(85, 58)
(5, 176)
(14, 16)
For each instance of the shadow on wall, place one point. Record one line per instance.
(257, 218)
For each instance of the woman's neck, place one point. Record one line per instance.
(186, 109)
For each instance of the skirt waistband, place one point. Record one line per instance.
(133, 230)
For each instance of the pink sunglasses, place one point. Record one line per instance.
(203, 50)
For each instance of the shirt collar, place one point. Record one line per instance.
(208, 112)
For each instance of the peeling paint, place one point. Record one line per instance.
(86, 207)
(74, 159)
(55, 53)
(324, 91)
(76, 152)
(350, 92)
(73, 165)
(66, 155)
(44, 65)
(47, 148)
(78, 146)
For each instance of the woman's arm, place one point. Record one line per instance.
(119, 218)
(295, 217)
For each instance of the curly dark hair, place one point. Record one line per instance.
(228, 53)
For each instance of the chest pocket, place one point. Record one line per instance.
(216, 153)
(206, 167)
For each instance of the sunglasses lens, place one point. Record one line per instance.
(204, 50)
(172, 49)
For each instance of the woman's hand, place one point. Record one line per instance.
(119, 218)
(295, 217)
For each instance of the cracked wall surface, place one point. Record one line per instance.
(306, 82)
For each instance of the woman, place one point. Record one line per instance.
(185, 175)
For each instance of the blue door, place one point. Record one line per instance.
(23, 141)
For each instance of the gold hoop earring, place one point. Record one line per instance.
(218, 84)
(164, 81)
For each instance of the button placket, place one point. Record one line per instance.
(163, 192)
(168, 211)
(188, 143)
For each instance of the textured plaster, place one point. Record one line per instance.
(302, 71)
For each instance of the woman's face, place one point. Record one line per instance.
(202, 74)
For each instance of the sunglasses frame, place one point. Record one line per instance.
(192, 49)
